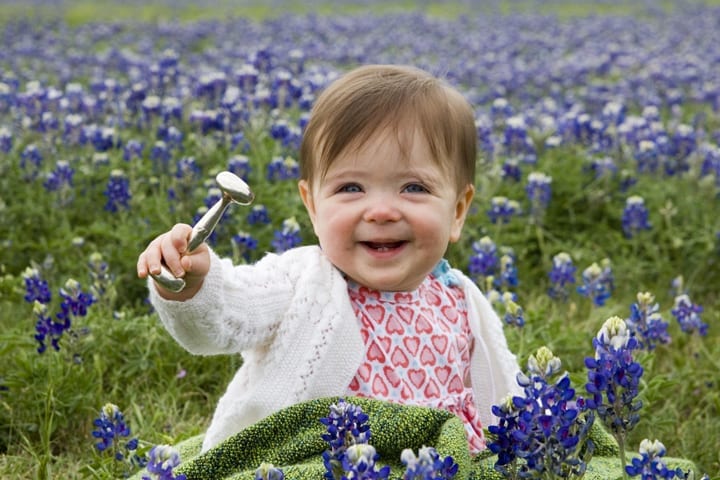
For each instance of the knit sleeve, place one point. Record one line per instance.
(238, 306)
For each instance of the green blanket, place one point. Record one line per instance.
(290, 439)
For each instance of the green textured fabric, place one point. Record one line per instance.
(290, 439)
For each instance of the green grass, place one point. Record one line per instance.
(84, 11)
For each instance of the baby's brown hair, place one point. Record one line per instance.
(371, 98)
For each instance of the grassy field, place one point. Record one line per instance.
(546, 71)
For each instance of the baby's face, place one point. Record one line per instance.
(384, 220)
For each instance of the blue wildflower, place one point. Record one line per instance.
(101, 285)
(511, 170)
(514, 314)
(110, 428)
(61, 177)
(46, 327)
(243, 244)
(162, 459)
(484, 260)
(561, 274)
(288, 237)
(30, 161)
(508, 270)
(613, 379)
(427, 465)
(281, 168)
(687, 314)
(258, 215)
(635, 216)
(360, 462)
(6, 140)
(346, 426)
(117, 192)
(646, 323)
(267, 471)
(539, 191)
(598, 283)
(650, 465)
(240, 166)
(546, 428)
(502, 209)
(36, 288)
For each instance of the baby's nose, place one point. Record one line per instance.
(381, 209)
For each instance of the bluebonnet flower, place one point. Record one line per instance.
(160, 155)
(598, 283)
(427, 465)
(243, 244)
(267, 471)
(238, 141)
(511, 170)
(60, 180)
(208, 120)
(101, 285)
(508, 270)
(647, 155)
(240, 166)
(687, 314)
(162, 459)
(171, 109)
(360, 463)
(288, 237)
(117, 192)
(258, 215)
(650, 465)
(133, 149)
(710, 164)
(346, 425)
(74, 302)
(171, 135)
(635, 216)
(36, 288)
(484, 260)
(646, 324)
(46, 327)
(514, 314)
(110, 429)
(6, 140)
(603, 167)
(539, 191)
(150, 107)
(613, 379)
(187, 174)
(502, 209)
(281, 168)
(561, 274)
(247, 77)
(546, 428)
(30, 161)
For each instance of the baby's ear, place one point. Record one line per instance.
(307, 198)
(462, 206)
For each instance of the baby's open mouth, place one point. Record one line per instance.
(383, 246)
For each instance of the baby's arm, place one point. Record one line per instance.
(234, 308)
(170, 248)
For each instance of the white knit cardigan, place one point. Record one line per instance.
(290, 318)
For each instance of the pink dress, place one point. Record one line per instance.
(419, 346)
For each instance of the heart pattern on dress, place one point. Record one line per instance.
(418, 349)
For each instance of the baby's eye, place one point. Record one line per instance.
(415, 188)
(350, 188)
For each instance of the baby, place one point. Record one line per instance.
(387, 172)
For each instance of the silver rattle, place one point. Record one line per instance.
(234, 190)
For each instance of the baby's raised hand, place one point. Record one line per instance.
(171, 248)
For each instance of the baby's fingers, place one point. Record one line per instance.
(150, 259)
